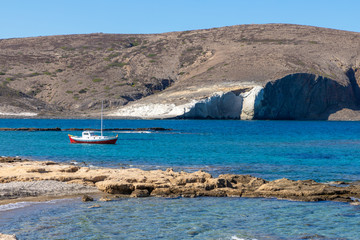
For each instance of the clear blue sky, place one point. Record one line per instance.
(27, 18)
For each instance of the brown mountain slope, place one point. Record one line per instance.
(20, 104)
(75, 72)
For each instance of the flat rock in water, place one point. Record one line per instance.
(32, 178)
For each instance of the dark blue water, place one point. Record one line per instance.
(323, 151)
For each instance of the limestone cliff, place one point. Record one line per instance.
(305, 96)
(300, 96)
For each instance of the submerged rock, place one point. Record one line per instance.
(87, 198)
(105, 199)
(95, 206)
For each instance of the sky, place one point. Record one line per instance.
(31, 18)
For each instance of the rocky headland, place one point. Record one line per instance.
(270, 71)
(21, 178)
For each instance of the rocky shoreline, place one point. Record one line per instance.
(24, 178)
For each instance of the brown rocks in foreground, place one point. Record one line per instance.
(138, 183)
(8, 237)
(86, 198)
(9, 159)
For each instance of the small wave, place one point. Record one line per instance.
(355, 199)
(337, 183)
(13, 206)
(237, 238)
(135, 132)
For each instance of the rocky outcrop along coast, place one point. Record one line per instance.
(134, 182)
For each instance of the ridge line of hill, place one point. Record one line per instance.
(179, 74)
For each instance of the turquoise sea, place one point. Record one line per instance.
(323, 151)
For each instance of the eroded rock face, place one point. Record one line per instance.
(304, 96)
(138, 183)
(115, 187)
(140, 193)
(300, 96)
(219, 106)
(252, 101)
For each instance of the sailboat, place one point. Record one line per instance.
(92, 138)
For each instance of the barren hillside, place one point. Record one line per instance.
(272, 71)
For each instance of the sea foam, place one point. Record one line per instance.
(13, 206)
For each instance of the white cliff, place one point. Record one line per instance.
(251, 102)
(7, 110)
(219, 105)
(152, 110)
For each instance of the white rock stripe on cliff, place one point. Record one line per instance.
(220, 105)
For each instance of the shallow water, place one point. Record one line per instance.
(184, 218)
(323, 151)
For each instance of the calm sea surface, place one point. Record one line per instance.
(323, 151)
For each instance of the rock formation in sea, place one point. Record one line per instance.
(270, 71)
(158, 183)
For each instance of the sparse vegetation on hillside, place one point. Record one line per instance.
(117, 64)
(123, 68)
(96, 80)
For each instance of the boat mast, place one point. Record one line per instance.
(102, 105)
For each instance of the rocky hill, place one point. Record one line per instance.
(271, 71)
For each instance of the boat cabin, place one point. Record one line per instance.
(88, 134)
